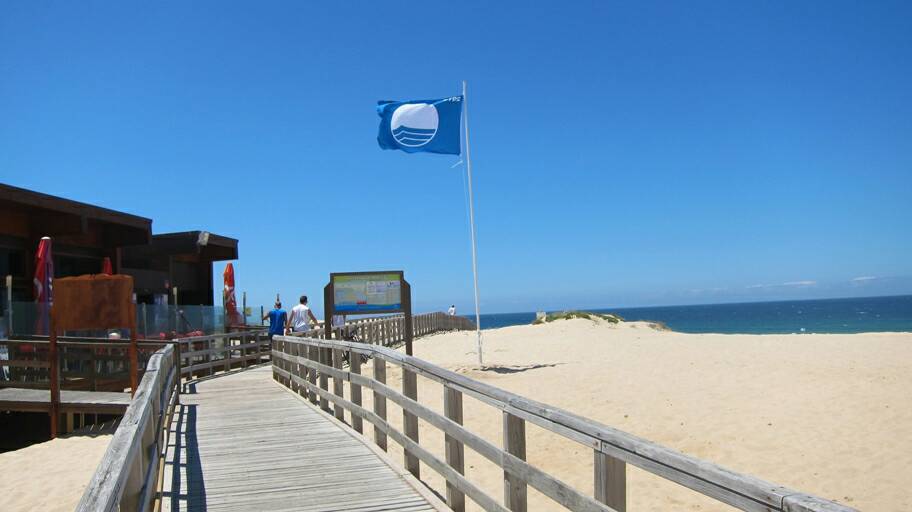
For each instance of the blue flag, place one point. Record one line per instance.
(423, 125)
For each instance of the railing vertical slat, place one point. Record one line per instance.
(355, 366)
(455, 451)
(337, 383)
(410, 421)
(514, 443)
(291, 366)
(312, 354)
(610, 481)
(324, 384)
(380, 401)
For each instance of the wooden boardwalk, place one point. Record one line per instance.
(243, 442)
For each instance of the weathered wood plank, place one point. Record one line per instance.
(379, 401)
(455, 452)
(290, 456)
(610, 481)
(410, 421)
(355, 367)
(337, 382)
(514, 443)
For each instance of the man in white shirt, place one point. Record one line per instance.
(301, 316)
(452, 310)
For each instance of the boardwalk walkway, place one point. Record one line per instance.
(243, 442)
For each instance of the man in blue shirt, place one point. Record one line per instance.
(277, 319)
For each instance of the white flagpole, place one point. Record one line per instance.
(468, 158)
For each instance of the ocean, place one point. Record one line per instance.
(852, 315)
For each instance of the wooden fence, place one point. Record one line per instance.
(85, 364)
(99, 364)
(130, 473)
(305, 364)
(390, 330)
(205, 355)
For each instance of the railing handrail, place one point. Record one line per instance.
(737, 489)
(128, 471)
(393, 327)
(218, 335)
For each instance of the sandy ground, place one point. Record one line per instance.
(830, 415)
(50, 476)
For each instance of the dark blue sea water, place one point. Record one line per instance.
(869, 314)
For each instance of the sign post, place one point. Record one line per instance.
(368, 293)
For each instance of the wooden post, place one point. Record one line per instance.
(355, 366)
(409, 420)
(379, 401)
(301, 370)
(226, 353)
(610, 481)
(276, 364)
(325, 359)
(176, 311)
(312, 354)
(291, 349)
(337, 384)
(9, 305)
(407, 307)
(514, 443)
(54, 369)
(178, 368)
(145, 324)
(134, 352)
(245, 339)
(455, 454)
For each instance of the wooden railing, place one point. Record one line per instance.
(99, 364)
(131, 470)
(87, 364)
(390, 330)
(305, 364)
(205, 355)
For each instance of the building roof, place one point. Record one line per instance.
(74, 216)
(209, 245)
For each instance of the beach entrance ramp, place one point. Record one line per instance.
(242, 442)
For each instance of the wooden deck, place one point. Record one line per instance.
(39, 400)
(243, 442)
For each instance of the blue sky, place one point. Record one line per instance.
(624, 154)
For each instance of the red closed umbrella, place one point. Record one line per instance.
(229, 300)
(44, 276)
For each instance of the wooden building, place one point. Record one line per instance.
(84, 234)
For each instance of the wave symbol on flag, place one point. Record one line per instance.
(414, 124)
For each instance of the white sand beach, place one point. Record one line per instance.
(825, 414)
(50, 476)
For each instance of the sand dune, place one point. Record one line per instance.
(825, 414)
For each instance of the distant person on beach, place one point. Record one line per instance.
(277, 319)
(301, 316)
(452, 310)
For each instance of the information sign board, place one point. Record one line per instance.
(368, 292)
